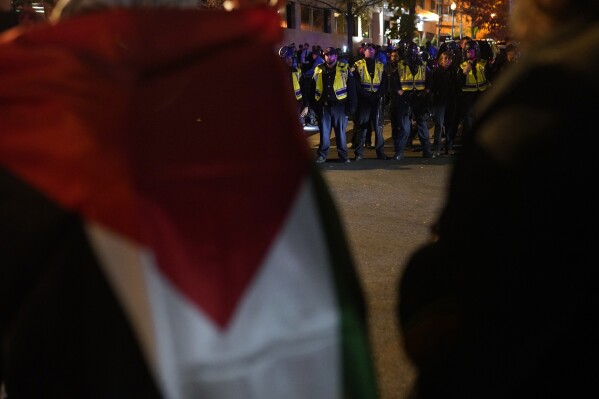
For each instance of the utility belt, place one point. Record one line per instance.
(332, 103)
(415, 92)
(413, 96)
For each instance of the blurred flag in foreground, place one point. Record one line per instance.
(164, 233)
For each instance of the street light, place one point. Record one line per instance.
(439, 21)
(453, 7)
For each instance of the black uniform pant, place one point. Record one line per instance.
(413, 103)
(368, 118)
(332, 116)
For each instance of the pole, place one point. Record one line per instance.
(453, 7)
(452, 20)
(439, 10)
(350, 32)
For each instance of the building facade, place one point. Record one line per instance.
(313, 22)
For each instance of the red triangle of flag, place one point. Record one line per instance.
(189, 145)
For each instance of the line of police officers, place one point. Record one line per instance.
(414, 90)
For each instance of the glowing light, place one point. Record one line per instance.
(228, 5)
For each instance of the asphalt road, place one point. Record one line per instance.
(387, 208)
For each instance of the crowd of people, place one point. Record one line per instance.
(414, 85)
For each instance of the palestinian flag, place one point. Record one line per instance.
(164, 233)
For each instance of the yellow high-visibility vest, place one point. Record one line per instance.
(476, 80)
(370, 84)
(295, 75)
(340, 83)
(411, 81)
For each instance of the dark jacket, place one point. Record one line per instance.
(502, 302)
(500, 66)
(393, 84)
(444, 84)
(365, 96)
(328, 95)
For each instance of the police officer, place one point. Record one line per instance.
(287, 53)
(335, 98)
(444, 87)
(371, 84)
(392, 90)
(474, 76)
(412, 101)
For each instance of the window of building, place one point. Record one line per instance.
(340, 23)
(327, 21)
(283, 23)
(318, 20)
(365, 27)
(287, 16)
(312, 19)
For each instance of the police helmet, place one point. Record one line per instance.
(412, 52)
(454, 48)
(286, 51)
(471, 45)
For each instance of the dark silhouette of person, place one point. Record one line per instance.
(502, 302)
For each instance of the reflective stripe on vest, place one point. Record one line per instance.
(478, 82)
(296, 85)
(368, 83)
(409, 81)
